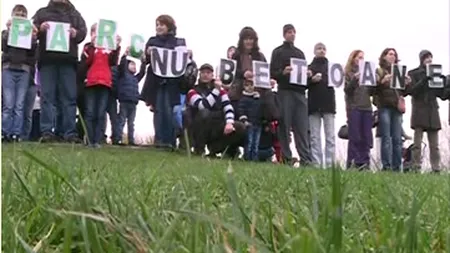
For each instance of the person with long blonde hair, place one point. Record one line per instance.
(359, 114)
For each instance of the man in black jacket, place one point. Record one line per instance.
(293, 102)
(322, 109)
(17, 69)
(58, 69)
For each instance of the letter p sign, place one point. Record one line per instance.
(20, 35)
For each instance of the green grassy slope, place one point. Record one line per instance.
(73, 199)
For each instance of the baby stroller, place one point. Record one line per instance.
(407, 155)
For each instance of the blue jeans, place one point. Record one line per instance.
(127, 114)
(30, 97)
(252, 145)
(96, 104)
(178, 112)
(163, 119)
(390, 123)
(58, 96)
(15, 84)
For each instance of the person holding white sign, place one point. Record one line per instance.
(359, 114)
(425, 113)
(17, 68)
(247, 51)
(322, 109)
(212, 115)
(61, 29)
(161, 91)
(293, 101)
(391, 106)
(99, 62)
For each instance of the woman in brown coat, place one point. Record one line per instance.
(425, 113)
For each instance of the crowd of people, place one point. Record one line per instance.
(197, 111)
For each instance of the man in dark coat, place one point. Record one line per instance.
(58, 70)
(425, 112)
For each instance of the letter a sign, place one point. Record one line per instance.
(58, 37)
(20, 34)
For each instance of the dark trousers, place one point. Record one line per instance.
(127, 114)
(163, 119)
(35, 133)
(265, 154)
(252, 143)
(58, 96)
(294, 115)
(208, 131)
(96, 103)
(360, 140)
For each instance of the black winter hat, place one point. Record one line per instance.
(424, 54)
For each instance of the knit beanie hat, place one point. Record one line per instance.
(424, 54)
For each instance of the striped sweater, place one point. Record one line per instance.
(209, 101)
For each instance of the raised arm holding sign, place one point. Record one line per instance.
(105, 35)
(137, 46)
(261, 75)
(21, 33)
(299, 72)
(58, 37)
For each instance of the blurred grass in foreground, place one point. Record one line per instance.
(73, 199)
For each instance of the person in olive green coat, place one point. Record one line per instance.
(425, 112)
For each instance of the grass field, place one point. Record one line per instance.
(73, 199)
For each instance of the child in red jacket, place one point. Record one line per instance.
(98, 62)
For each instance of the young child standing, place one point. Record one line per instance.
(128, 93)
(98, 86)
(250, 115)
(17, 66)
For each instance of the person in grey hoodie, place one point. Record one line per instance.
(359, 114)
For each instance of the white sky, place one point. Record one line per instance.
(210, 27)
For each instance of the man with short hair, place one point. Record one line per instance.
(293, 102)
(212, 115)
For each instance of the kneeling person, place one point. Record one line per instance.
(213, 122)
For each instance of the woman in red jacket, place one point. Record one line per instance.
(98, 62)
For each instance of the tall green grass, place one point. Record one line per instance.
(71, 199)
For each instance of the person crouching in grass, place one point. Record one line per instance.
(98, 85)
(250, 115)
(128, 93)
(17, 66)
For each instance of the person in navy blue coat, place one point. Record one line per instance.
(251, 116)
(128, 93)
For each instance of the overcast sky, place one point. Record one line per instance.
(211, 27)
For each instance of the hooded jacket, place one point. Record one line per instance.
(321, 97)
(99, 63)
(60, 12)
(128, 85)
(425, 107)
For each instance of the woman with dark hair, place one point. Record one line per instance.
(247, 51)
(390, 104)
(230, 52)
(359, 114)
(162, 94)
